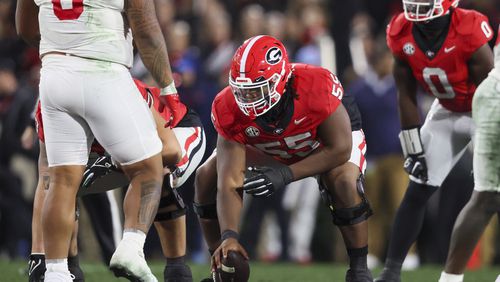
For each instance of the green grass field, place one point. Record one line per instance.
(16, 271)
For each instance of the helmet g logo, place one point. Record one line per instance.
(273, 55)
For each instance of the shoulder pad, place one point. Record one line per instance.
(466, 22)
(397, 24)
(223, 115)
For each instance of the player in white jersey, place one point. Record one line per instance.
(485, 200)
(86, 91)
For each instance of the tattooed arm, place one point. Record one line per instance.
(149, 39)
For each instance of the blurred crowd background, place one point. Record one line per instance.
(347, 37)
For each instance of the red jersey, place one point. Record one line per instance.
(446, 74)
(150, 95)
(319, 94)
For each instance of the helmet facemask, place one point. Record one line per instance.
(423, 10)
(256, 98)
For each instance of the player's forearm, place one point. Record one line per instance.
(150, 41)
(408, 112)
(229, 204)
(322, 160)
(407, 94)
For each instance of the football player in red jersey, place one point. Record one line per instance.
(485, 200)
(444, 49)
(170, 218)
(286, 121)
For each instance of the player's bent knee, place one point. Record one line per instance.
(348, 215)
(206, 211)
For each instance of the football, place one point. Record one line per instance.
(235, 268)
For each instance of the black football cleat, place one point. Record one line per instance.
(77, 273)
(36, 268)
(388, 276)
(177, 273)
(358, 275)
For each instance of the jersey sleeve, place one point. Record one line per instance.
(336, 93)
(329, 94)
(476, 30)
(394, 29)
(223, 119)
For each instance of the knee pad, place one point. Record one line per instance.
(171, 198)
(418, 194)
(207, 211)
(351, 215)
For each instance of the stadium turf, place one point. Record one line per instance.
(278, 272)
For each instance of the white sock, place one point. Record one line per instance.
(57, 265)
(137, 237)
(447, 277)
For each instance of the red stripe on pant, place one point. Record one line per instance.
(188, 143)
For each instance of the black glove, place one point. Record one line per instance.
(36, 268)
(265, 180)
(101, 166)
(416, 166)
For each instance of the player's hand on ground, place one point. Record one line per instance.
(416, 166)
(100, 167)
(229, 244)
(263, 181)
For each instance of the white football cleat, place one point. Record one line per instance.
(128, 261)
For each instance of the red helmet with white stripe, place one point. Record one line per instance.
(258, 75)
(424, 10)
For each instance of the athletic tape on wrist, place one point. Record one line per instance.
(410, 141)
(169, 89)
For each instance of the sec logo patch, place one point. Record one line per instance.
(409, 49)
(252, 131)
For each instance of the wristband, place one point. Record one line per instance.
(169, 89)
(229, 234)
(411, 142)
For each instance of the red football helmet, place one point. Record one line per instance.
(424, 10)
(258, 75)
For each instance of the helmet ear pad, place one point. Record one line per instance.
(259, 72)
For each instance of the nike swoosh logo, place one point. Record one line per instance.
(33, 266)
(297, 121)
(448, 50)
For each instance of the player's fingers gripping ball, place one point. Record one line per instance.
(263, 181)
(234, 267)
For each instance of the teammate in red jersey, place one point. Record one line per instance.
(170, 218)
(286, 121)
(443, 49)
